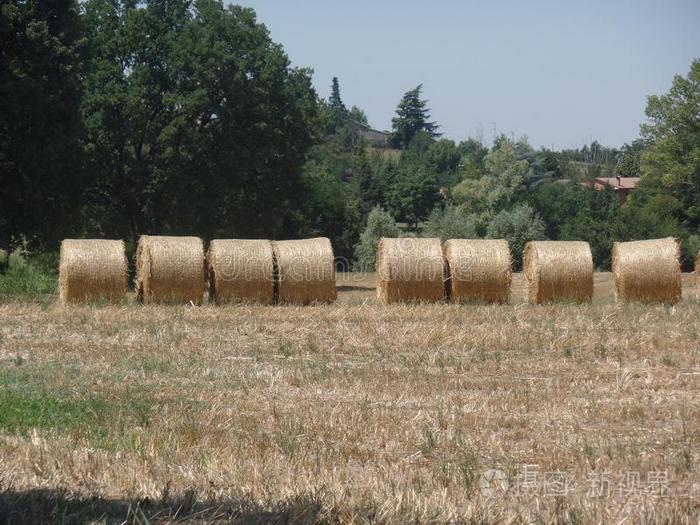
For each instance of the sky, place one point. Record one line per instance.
(561, 72)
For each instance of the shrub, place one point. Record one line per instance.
(518, 226)
(31, 277)
(379, 224)
(451, 222)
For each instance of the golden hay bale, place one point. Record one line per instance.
(240, 271)
(410, 269)
(647, 271)
(305, 271)
(558, 271)
(170, 269)
(92, 269)
(478, 270)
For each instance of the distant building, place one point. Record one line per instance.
(376, 138)
(622, 186)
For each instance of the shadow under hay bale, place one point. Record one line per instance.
(240, 270)
(479, 270)
(558, 271)
(92, 269)
(410, 270)
(305, 271)
(647, 271)
(170, 269)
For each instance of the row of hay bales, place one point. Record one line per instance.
(176, 270)
(410, 269)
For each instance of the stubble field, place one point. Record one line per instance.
(352, 412)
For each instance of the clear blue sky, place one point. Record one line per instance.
(561, 72)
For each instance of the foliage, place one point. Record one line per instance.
(596, 222)
(628, 163)
(518, 226)
(504, 180)
(30, 277)
(412, 116)
(413, 194)
(195, 120)
(41, 48)
(339, 113)
(379, 224)
(450, 222)
(671, 159)
(330, 211)
(358, 115)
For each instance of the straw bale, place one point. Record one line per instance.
(91, 269)
(558, 271)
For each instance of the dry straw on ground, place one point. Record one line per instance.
(558, 271)
(647, 271)
(305, 271)
(479, 270)
(170, 269)
(240, 271)
(410, 270)
(91, 269)
(697, 273)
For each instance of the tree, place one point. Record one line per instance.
(41, 47)
(628, 166)
(330, 210)
(412, 116)
(444, 158)
(594, 221)
(504, 181)
(672, 157)
(413, 194)
(450, 222)
(557, 203)
(358, 115)
(339, 113)
(195, 120)
(518, 226)
(379, 224)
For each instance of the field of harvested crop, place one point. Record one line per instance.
(352, 412)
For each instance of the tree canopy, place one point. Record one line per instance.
(41, 58)
(195, 119)
(412, 116)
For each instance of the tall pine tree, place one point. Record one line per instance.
(339, 113)
(412, 116)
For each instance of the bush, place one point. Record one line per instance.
(379, 224)
(31, 277)
(518, 226)
(451, 222)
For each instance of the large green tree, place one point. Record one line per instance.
(672, 134)
(195, 120)
(412, 116)
(41, 44)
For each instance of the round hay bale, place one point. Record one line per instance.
(479, 270)
(305, 271)
(558, 271)
(647, 271)
(410, 270)
(240, 271)
(170, 269)
(91, 269)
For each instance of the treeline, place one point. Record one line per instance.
(120, 118)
